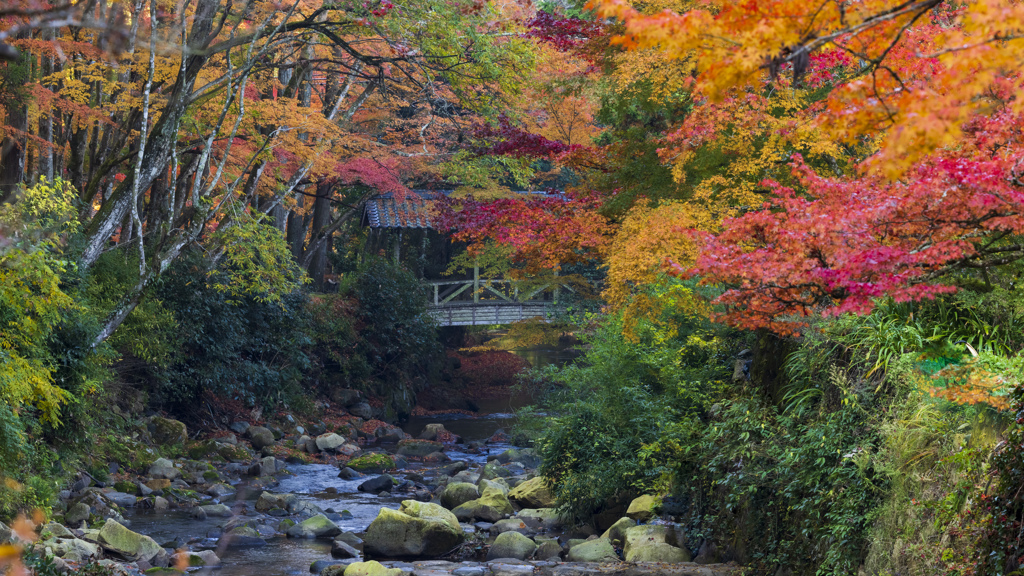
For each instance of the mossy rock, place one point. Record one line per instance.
(289, 454)
(233, 453)
(201, 450)
(534, 493)
(644, 508)
(126, 487)
(211, 476)
(371, 568)
(372, 463)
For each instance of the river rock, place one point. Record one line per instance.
(348, 474)
(350, 450)
(491, 506)
(533, 493)
(547, 549)
(131, 545)
(642, 509)
(599, 550)
(195, 559)
(453, 469)
(165, 431)
(220, 490)
(418, 448)
(341, 549)
(493, 470)
(260, 437)
(163, 469)
(430, 431)
(318, 526)
(417, 529)
(542, 519)
(377, 484)
(371, 568)
(653, 543)
(373, 463)
(361, 409)
(457, 493)
(617, 531)
(329, 442)
(268, 501)
(244, 536)
(77, 514)
(54, 530)
(511, 545)
(511, 525)
(350, 539)
(217, 510)
(76, 550)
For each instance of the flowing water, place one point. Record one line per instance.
(317, 483)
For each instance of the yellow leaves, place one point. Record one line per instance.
(647, 238)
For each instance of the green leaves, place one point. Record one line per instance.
(258, 262)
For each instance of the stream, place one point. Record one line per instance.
(316, 483)
(320, 484)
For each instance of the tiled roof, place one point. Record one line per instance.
(408, 210)
(412, 211)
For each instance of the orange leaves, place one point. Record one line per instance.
(645, 241)
(923, 69)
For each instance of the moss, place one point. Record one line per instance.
(211, 475)
(372, 463)
(200, 450)
(284, 453)
(125, 486)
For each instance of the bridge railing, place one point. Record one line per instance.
(493, 291)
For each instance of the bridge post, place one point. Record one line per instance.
(476, 280)
(558, 286)
(435, 295)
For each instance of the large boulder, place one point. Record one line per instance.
(318, 526)
(534, 493)
(491, 506)
(458, 493)
(617, 531)
(165, 431)
(653, 543)
(329, 442)
(644, 508)
(417, 529)
(511, 545)
(130, 545)
(418, 448)
(260, 437)
(430, 431)
(599, 550)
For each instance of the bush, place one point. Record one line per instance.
(238, 347)
(623, 394)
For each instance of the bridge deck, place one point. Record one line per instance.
(487, 313)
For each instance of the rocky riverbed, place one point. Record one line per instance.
(362, 499)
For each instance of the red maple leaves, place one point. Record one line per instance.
(846, 242)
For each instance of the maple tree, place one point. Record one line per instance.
(906, 115)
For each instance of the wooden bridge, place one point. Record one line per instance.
(483, 302)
